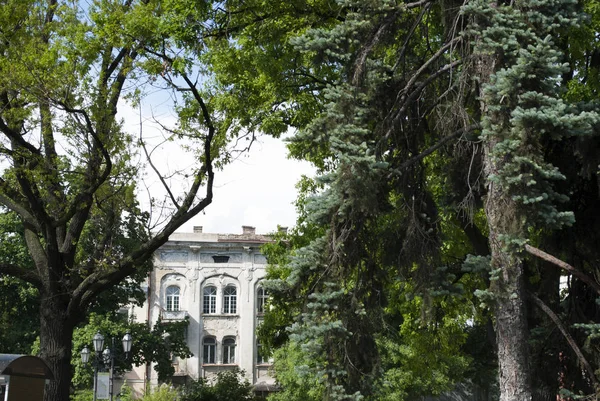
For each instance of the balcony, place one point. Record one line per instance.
(174, 315)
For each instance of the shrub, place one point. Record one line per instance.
(230, 385)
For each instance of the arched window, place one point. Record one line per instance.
(230, 299)
(209, 301)
(209, 350)
(228, 350)
(261, 299)
(172, 295)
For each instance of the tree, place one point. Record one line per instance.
(437, 129)
(20, 317)
(18, 300)
(69, 167)
(157, 345)
(375, 223)
(520, 77)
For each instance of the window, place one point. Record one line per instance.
(221, 258)
(260, 358)
(230, 299)
(209, 348)
(261, 299)
(228, 350)
(172, 296)
(209, 302)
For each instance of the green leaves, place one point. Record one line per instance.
(228, 385)
(157, 345)
(524, 102)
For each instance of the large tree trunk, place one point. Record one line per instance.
(505, 220)
(508, 287)
(510, 313)
(56, 338)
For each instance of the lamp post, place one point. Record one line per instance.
(107, 357)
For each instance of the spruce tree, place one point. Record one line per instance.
(520, 67)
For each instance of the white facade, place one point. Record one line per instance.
(215, 280)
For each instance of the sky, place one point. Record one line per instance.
(257, 189)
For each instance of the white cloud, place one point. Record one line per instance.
(257, 189)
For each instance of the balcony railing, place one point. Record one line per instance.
(174, 315)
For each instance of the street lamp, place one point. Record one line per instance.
(85, 355)
(98, 343)
(127, 341)
(107, 357)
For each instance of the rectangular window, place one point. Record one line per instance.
(229, 351)
(220, 259)
(209, 350)
(261, 300)
(259, 354)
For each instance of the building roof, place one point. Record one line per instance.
(24, 365)
(248, 235)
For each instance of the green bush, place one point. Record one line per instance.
(162, 393)
(82, 395)
(229, 385)
(126, 393)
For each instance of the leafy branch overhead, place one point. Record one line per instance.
(70, 167)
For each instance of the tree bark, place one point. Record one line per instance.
(504, 219)
(510, 309)
(56, 337)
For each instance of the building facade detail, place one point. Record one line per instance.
(215, 281)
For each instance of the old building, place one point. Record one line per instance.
(215, 281)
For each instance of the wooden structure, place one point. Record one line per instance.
(23, 377)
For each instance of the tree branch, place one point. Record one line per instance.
(21, 273)
(565, 266)
(426, 65)
(94, 180)
(567, 337)
(18, 208)
(431, 149)
(406, 100)
(409, 35)
(99, 281)
(153, 166)
(372, 42)
(14, 136)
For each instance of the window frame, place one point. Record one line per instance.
(262, 295)
(209, 343)
(210, 307)
(229, 350)
(230, 300)
(173, 301)
(260, 358)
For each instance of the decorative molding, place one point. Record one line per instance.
(207, 257)
(174, 256)
(260, 259)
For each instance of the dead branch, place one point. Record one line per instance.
(409, 36)
(559, 324)
(563, 265)
(431, 149)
